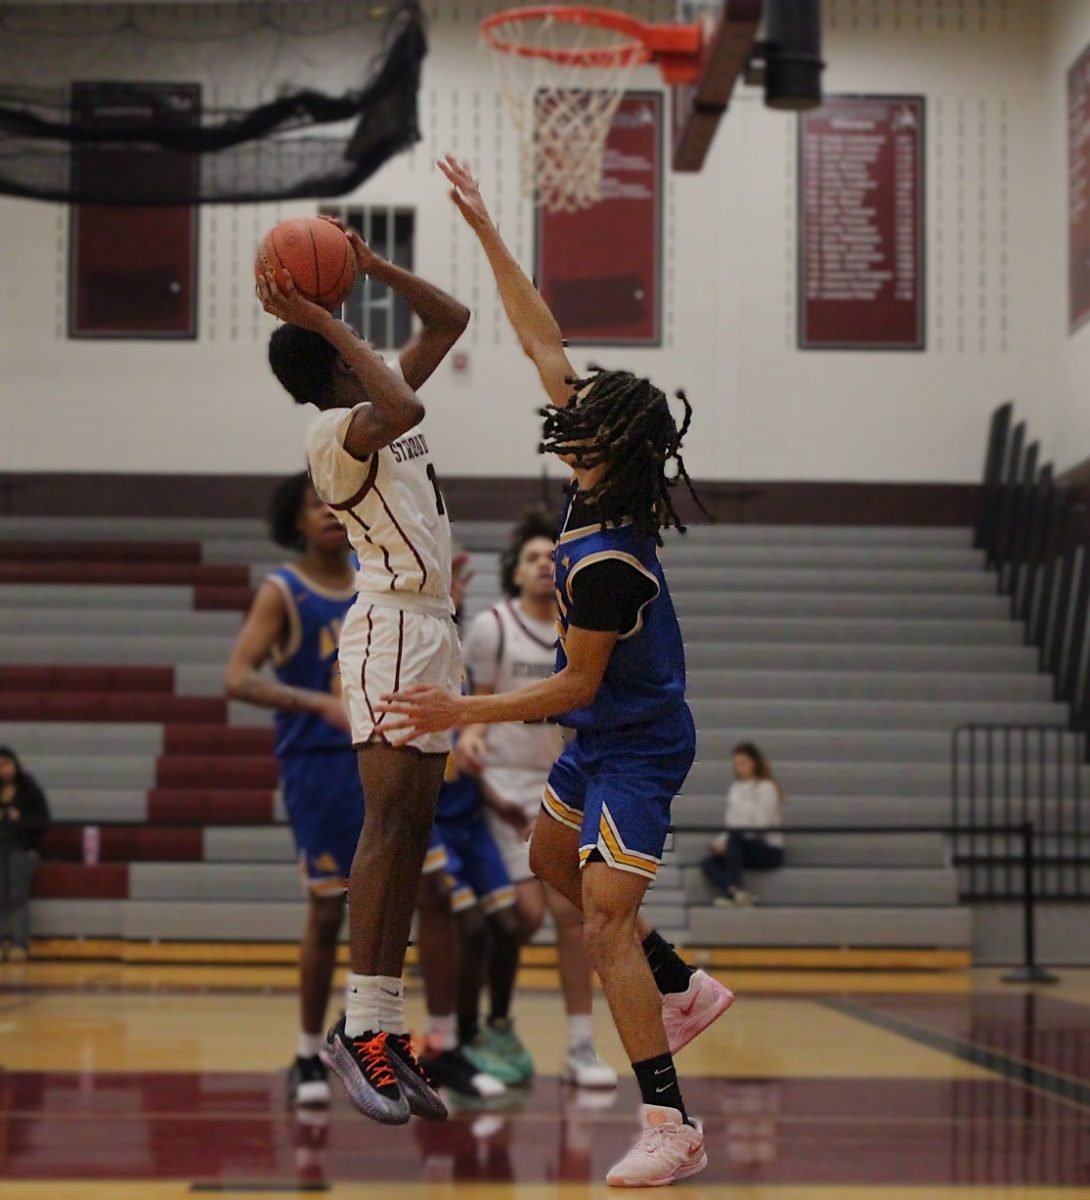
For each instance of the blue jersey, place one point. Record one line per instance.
(309, 660)
(645, 677)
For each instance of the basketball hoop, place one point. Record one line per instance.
(563, 71)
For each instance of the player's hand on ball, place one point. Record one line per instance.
(281, 300)
(426, 709)
(365, 256)
(465, 192)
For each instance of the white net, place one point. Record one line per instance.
(563, 110)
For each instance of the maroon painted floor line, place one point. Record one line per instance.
(220, 1127)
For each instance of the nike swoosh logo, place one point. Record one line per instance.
(688, 1012)
(659, 1091)
(663, 1071)
(387, 992)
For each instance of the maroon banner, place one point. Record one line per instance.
(861, 224)
(600, 269)
(133, 271)
(1078, 188)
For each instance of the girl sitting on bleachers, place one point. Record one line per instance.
(755, 810)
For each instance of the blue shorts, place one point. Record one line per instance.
(324, 799)
(616, 787)
(475, 867)
(436, 857)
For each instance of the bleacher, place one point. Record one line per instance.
(848, 654)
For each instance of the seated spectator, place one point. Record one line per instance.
(24, 818)
(755, 809)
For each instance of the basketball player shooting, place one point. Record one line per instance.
(620, 683)
(370, 462)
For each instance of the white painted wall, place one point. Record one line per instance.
(765, 410)
(1067, 33)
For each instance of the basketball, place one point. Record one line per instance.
(316, 253)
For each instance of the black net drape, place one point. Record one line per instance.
(166, 104)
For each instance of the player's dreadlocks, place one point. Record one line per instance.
(533, 523)
(626, 422)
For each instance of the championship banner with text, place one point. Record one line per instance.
(1078, 189)
(600, 269)
(861, 224)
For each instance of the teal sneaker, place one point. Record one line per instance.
(504, 1043)
(483, 1056)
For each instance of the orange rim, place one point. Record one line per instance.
(645, 42)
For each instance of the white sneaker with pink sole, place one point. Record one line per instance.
(666, 1151)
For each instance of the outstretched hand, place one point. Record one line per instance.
(426, 709)
(281, 300)
(465, 193)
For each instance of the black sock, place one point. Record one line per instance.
(468, 1028)
(657, 1078)
(671, 972)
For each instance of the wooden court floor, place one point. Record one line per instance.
(163, 1081)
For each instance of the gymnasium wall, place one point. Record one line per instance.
(766, 410)
(1067, 34)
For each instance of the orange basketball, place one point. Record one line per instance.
(316, 253)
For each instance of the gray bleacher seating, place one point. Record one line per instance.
(848, 654)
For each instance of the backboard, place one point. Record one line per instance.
(731, 29)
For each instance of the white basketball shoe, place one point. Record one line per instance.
(666, 1151)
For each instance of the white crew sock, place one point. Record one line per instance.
(361, 1004)
(309, 1044)
(580, 1029)
(442, 1032)
(391, 1004)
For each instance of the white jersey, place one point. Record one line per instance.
(391, 506)
(507, 650)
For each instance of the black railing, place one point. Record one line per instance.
(1028, 971)
(1009, 776)
(1035, 534)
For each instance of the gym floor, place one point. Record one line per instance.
(165, 1081)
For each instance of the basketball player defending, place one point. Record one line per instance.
(509, 647)
(295, 620)
(369, 461)
(620, 684)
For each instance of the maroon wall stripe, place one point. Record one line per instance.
(483, 498)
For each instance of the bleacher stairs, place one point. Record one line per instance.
(848, 654)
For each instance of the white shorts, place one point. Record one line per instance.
(384, 649)
(517, 786)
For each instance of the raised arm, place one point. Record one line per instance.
(444, 318)
(392, 407)
(526, 309)
(261, 632)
